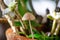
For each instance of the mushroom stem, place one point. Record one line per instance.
(57, 29)
(10, 22)
(31, 29)
(53, 26)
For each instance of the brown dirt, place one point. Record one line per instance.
(13, 36)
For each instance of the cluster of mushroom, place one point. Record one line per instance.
(28, 16)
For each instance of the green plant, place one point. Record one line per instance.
(27, 22)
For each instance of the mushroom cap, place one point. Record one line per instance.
(28, 16)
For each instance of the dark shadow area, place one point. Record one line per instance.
(3, 28)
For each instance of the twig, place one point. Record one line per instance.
(10, 22)
(31, 29)
(19, 17)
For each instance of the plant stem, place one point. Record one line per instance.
(23, 31)
(22, 24)
(31, 29)
(10, 22)
(19, 17)
(57, 29)
(23, 5)
(53, 26)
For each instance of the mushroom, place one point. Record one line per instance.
(29, 16)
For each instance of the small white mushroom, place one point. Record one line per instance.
(28, 16)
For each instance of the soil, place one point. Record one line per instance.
(13, 36)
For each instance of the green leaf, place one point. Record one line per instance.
(21, 9)
(20, 32)
(35, 36)
(35, 31)
(50, 17)
(17, 23)
(34, 24)
(25, 1)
